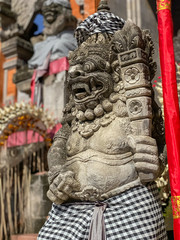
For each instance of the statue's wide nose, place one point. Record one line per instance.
(76, 71)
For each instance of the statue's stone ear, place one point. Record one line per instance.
(119, 42)
(149, 49)
(128, 38)
(133, 49)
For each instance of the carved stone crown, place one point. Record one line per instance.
(98, 44)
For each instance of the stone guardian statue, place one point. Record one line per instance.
(104, 160)
(49, 59)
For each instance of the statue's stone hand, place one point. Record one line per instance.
(145, 157)
(62, 186)
(89, 193)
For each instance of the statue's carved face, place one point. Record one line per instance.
(51, 12)
(89, 74)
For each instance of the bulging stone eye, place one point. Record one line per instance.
(102, 64)
(89, 66)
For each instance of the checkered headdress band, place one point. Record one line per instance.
(99, 22)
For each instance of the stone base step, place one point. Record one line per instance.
(24, 237)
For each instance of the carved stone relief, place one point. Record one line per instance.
(108, 117)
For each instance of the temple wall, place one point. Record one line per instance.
(11, 87)
(119, 8)
(89, 8)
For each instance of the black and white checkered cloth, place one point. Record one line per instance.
(132, 215)
(99, 22)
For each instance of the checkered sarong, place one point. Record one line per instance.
(98, 22)
(132, 215)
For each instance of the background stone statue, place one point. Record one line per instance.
(105, 158)
(58, 32)
(58, 40)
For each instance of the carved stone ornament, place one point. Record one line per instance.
(135, 107)
(105, 145)
(132, 75)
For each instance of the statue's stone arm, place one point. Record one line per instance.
(57, 152)
(61, 181)
(145, 157)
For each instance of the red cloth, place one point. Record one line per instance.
(171, 109)
(58, 65)
(55, 66)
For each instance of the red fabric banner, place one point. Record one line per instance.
(58, 65)
(54, 67)
(171, 106)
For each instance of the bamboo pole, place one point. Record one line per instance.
(42, 159)
(15, 200)
(1, 209)
(27, 193)
(2, 191)
(8, 200)
(34, 162)
(38, 161)
(25, 188)
(29, 182)
(20, 200)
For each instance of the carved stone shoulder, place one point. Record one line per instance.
(62, 133)
(57, 152)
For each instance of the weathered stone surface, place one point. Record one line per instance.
(18, 47)
(105, 146)
(23, 74)
(7, 17)
(25, 10)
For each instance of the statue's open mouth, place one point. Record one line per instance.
(81, 90)
(89, 89)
